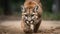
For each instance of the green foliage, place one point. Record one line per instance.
(50, 16)
(47, 4)
(1, 11)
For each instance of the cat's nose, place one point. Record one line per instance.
(29, 19)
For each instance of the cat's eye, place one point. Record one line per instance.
(32, 15)
(26, 15)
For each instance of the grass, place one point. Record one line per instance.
(50, 16)
(1, 11)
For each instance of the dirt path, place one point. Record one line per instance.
(13, 27)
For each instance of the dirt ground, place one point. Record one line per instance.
(13, 27)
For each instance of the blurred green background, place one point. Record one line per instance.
(51, 8)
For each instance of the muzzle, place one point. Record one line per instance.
(30, 24)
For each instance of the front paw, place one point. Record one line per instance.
(28, 30)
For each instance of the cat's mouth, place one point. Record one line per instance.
(30, 24)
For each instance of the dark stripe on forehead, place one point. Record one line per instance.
(29, 10)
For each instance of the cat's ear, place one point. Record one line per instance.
(22, 8)
(36, 9)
